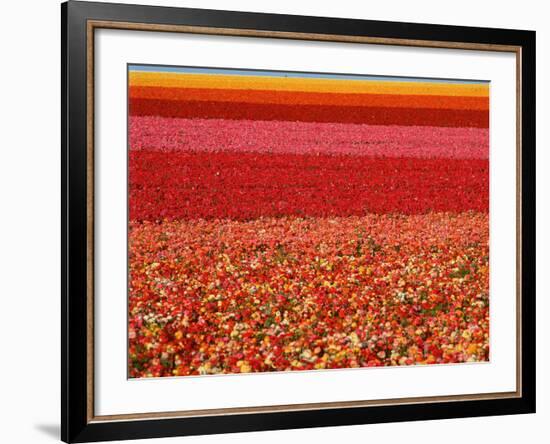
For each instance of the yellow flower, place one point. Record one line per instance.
(245, 367)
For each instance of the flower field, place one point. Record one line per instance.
(299, 223)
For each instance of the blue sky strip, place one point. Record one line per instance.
(291, 74)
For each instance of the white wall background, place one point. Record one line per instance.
(30, 208)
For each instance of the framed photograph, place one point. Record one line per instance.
(275, 221)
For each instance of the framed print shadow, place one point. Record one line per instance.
(274, 221)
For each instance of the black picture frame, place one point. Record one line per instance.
(76, 423)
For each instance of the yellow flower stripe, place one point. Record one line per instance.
(220, 81)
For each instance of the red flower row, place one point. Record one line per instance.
(309, 113)
(250, 185)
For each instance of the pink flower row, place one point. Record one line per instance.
(214, 135)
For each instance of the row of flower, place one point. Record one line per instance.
(296, 82)
(410, 100)
(249, 185)
(380, 115)
(281, 137)
(274, 294)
